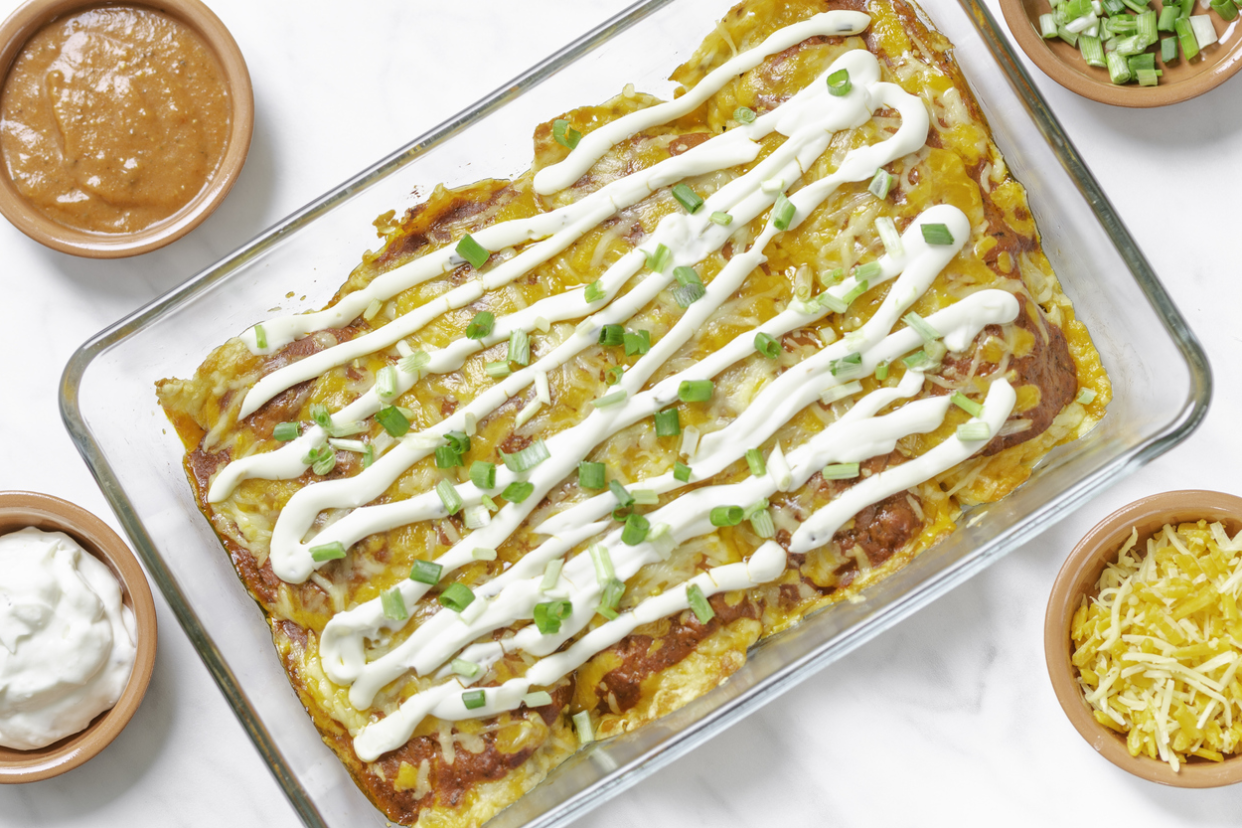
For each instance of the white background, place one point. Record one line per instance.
(946, 719)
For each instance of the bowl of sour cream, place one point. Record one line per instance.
(77, 636)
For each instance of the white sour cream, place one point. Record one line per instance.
(66, 640)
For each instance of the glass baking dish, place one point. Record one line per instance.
(1161, 379)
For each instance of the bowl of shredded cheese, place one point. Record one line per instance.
(1143, 638)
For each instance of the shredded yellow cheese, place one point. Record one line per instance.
(1158, 649)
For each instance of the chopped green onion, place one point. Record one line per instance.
(476, 517)
(468, 669)
(1092, 49)
(767, 346)
(726, 515)
(965, 403)
(540, 698)
(457, 596)
(582, 724)
(636, 529)
(472, 251)
(1203, 29)
(687, 197)
(840, 471)
(667, 423)
(446, 458)
(1226, 9)
(497, 369)
(426, 572)
(658, 259)
(551, 574)
(550, 614)
(1143, 62)
(564, 134)
(1086, 396)
(754, 459)
(881, 184)
(881, 371)
(518, 491)
(604, 570)
(695, 390)
(936, 234)
(919, 361)
(480, 326)
(1168, 50)
(832, 303)
(645, 497)
(840, 392)
(698, 604)
(591, 475)
(744, 115)
(594, 292)
(783, 212)
(1047, 26)
(483, 474)
(637, 343)
(483, 554)
(415, 362)
(889, 237)
(624, 498)
(322, 460)
(761, 523)
(1147, 27)
(687, 295)
(368, 456)
(723, 219)
(285, 432)
(394, 605)
(527, 458)
(1186, 37)
(613, 375)
(615, 398)
(925, 331)
(686, 275)
(260, 337)
(845, 366)
(489, 503)
(974, 431)
(611, 335)
(459, 441)
(839, 83)
(1118, 68)
(372, 309)
(448, 496)
(609, 597)
(519, 347)
(681, 472)
(1168, 14)
(327, 552)
(474, 699)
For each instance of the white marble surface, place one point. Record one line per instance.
(946, 719)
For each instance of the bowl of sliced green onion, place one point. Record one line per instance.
(1137, 53)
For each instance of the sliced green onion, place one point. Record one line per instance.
(476, 517)
(489, 503)
(1226, 9)
(723, 219)
(698, 604)
(667, 423)
(368, 456)
(919, 361)
(582, 725)
(591, 475)
(394, 605)
(327, 552)
(782, 212)
(415, 362)
(483, 475)
(658, 259)
(285, 432)
(832, 303)
(467, 669)
(550, 614)
(687, 198)
(446, 458)
(1092, 49)
(1086, 396)
(681, 472)
(472, 251)
(754, 459)
(761, 523)
(613, 375)
(686, 275)
(322, 460)
(1147, 27)
(497, 369)
(846, 366)
(767, 346)
(527, 458)
(1168, 50)
(356, 446)
(372, 309)
(426, 572)
(840, 471)
(611, 335)
(624, 498)
(687, 295)
(457, 596)
(519, 347)
(1047, 26)
(636, 529)
(881, 184)
(594, 292)
(744, 115)
(889, 237)
(551, 574)
(1168, 14)
(695, 390)
(645, 497)
(609, 598)
(564, 134)
(881, 371)
(1143, 62)
(726, 515)
(480, 553)
(480, 326)
(936, 234)
(1118, 68)
(925, 331)
(1203, 29)
(615, 398)
(604, 570)
(637, 343)
(518, 491)
(260, 337)
(540, 698)
(474, 699)
(459, 441)
(449, 496)
(840, 392)
(965, 403)
(839, 83)
(974, 431)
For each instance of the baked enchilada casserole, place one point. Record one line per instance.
(565, 447)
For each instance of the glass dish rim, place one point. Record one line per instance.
(1177, 429)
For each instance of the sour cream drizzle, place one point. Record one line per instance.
(809, 120)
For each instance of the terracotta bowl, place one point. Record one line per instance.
(1078, 577)
(29, 19)
(21, 509)
(1182, 81)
